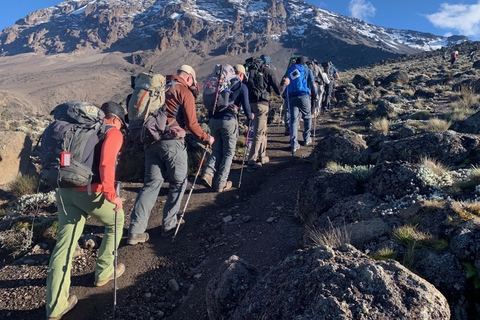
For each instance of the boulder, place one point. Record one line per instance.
(476, 64)
(360, 81)
(326, 283)
(423, 94)
(322, 191)
(342, 147)
(234, 278)
(448, 147)
(15, 148)
(393, 179)
(397, 77)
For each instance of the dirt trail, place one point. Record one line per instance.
(255, 222)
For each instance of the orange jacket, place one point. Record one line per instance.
(186, 100)
(108, 160)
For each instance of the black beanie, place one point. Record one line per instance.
(300, 60)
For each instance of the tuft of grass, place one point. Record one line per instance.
(435, 166)
(333, 237)
(361, 173)
(23, 184)
(333, 128)
(384, 254)
(431, 206)
(437, 125)
(359, 129)
(472, 181)
(380, 126)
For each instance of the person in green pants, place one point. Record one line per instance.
(74, 206)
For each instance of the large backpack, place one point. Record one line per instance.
(298, 81)
(149, 92)
(217, 88)
(153, 125)
(71, 145)
(256, 83)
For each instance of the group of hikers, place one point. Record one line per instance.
(454, 56)
(306, 86)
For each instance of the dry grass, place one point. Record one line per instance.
(435, 166)
(384, 254)
(472, 182)
(380, 126)
(333, 237)
(23, 184)
(437, 125)
(433, 205)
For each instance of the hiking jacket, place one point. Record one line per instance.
(181, 111)
(271, 81)
(108, 160)
(239, 96)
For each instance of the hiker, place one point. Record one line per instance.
(472, 55)
(167, 158)
(323, 82)
(445, 55)
(299, 90)
(224, 128)
(74, 206)
(332, 74)
(261, 80)
(453, 57)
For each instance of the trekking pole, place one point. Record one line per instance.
(246, 151)
(190, 194)
(115, 256)
(280, 115)
(218, 88)
(290, 122)
(315, 124)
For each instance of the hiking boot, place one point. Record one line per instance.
(265, 160)
(287, 132)
(72, 301)
(225, 187)
(171, 231)
(254, 167)
(309, 142)
(120, 271)
(207, 180)
(134, 238)
(295, 149)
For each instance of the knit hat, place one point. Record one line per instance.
(300, 60)
(265, 59)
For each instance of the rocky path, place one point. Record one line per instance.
(165, 280)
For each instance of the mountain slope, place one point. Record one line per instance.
(213, 27)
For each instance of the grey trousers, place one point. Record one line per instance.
(259, 141)
(166, 159)
(225, 133)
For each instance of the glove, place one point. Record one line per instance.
(211, 140)
(118, 203)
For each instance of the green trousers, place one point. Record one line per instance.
(73, 208)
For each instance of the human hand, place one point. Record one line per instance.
(118, 203)
(253, 117)
(286, 81)
(211, 140)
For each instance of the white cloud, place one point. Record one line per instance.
(361, 10)
(461, 17)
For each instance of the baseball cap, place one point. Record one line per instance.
(240, 69)
(186, 68)
(116, 109)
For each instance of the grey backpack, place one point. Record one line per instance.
(71, 145)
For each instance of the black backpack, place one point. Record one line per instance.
(256, 83)
(71, 145)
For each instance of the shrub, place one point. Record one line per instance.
(23, 184)
(472, 181)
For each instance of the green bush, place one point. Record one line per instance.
(23, 184)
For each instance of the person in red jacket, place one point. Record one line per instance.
(74, 206)
(168, 159)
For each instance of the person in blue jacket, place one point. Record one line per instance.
(224, 128)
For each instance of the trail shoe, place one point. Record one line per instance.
(308, 142)
(134, 238)
(265, 160)
(120, 271)
(207, 180)
(72, 301)
(287, 132)
(295, 149)
(254, 167)
(225, 187)
(171, 231)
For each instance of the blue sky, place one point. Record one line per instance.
(437, 17)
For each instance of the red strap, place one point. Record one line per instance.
(140, 103)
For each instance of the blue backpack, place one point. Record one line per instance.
(298, 80)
